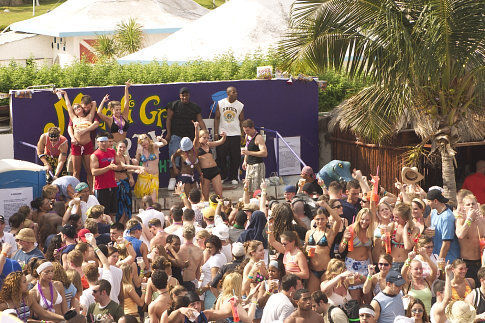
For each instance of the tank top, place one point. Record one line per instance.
(291, 265)
(391, 306)
(229, 122)
(106, 180)
(53, 150)
(136, 243)
(423, 294)
(479, 301)
(251, 146)
(129, 305)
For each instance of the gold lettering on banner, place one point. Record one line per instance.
(60, 106)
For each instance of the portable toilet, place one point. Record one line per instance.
(20, 183)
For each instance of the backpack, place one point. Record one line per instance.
(351, 309)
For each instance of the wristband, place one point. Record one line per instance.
(369, 277)
(254, 302)
(345, 241)
(182, 195)
(96, 249)
(41, 155)
(407, 262)
(250, 277)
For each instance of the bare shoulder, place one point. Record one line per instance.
(316, 317)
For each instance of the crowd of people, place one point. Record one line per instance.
(346, 252)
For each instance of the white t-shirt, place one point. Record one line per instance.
(114, 276)
(277, 308)
(10, 239)
(227, 251)
(230, 117)
(92, 201)
(149, 214)
(87, 298)
(218, 260)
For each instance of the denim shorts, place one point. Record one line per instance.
(173, 146)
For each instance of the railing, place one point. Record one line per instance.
(31, 146)
(279, 137)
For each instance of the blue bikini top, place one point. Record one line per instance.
(144, 159)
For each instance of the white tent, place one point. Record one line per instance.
(238, 26)
(94, 17)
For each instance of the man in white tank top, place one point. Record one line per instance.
(229, 115)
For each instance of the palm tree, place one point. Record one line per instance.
(424, 58)
(129, 36)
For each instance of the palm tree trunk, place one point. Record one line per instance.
(448, 175)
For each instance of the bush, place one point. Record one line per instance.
(225, 67)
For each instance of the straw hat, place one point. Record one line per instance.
(26, 234)
(460, 312)
(410, 175)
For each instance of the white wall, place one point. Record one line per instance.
(6, 146)
(37, 47)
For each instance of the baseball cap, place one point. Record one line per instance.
(290, 189)
(82, 234)
(221, 231)
(238, 249)
(308, 187)
(186, 144)
(184, 90)
(256, 193)
(2, 219)
(436, 194)
(395, 278)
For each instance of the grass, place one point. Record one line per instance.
(24, 11)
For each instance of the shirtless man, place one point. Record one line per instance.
(470, 227)
(162, 302)
(191, 254)
(52, 151)
(304, 312)
(159, 235)
(82, 144)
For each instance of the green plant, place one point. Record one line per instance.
(129, 37)
(106, 47)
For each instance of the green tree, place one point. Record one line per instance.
(129, 36)
(424, 59)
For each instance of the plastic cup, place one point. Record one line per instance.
(143, 286)
(139, 260)
(441, 263)
(351, 279)
(311, 251)
(88, 236)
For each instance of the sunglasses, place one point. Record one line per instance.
(285, 243)
(337, 207)
(95, 291)
(382, 264)
(417, 310)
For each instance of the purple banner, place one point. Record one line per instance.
(291, 109)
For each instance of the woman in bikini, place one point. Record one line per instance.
(384, 215)
(375, 283)
(188, 161)
(358, 242)
(417, 285)
(460, 285)
(417, 206)
(404, 235)
(15, 295)
(147, 153)
(48, 293)
(294, 259)
(255, 270)
(117, 123)
(210, 171)
(82, 127)
(318, 242)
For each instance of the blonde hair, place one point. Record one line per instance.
(231, 285)
(203, 132)
(404, 211)
(75, 279)
(127, 274)
(150, 142)
(335, 267)
(112, 104)
(370, 229)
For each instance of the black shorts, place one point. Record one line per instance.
(108, 197)
(211, 172)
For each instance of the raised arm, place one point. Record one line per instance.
(102, 116)
(272, 241)
(217, 121)
(70, 110)
(263, 199)
(218, 142)
(126, 109)
(196, 135)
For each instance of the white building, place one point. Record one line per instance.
(238, 26)
(67, 32)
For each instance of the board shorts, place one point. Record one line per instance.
(82, 150)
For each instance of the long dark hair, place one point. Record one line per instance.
(412, 303)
